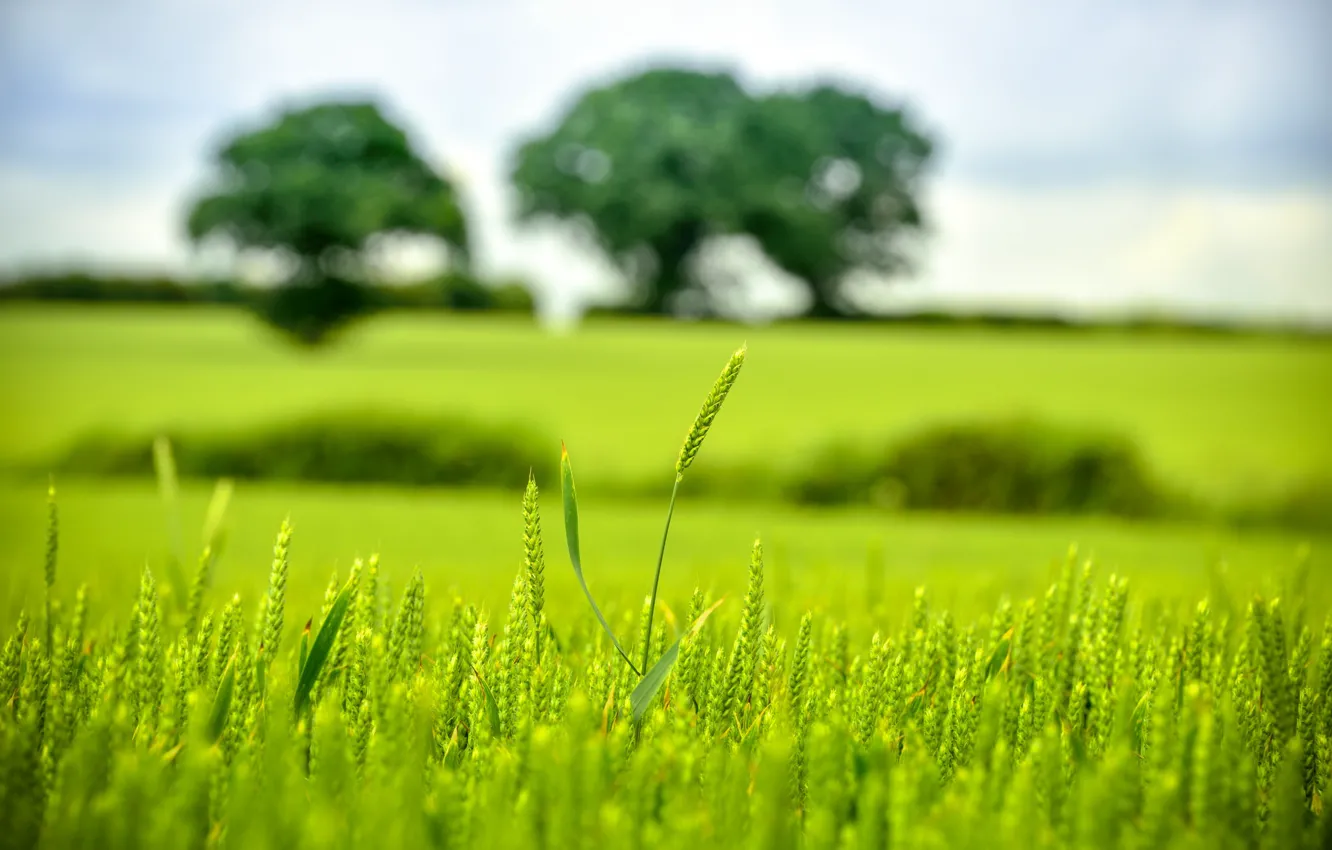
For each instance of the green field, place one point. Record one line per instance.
(1220, 415)
(471, 542)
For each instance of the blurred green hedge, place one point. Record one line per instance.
(1306, 506)
(996, 467)
(350, 447)
(1010, 466)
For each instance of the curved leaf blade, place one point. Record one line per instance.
(217, 718)
(642, 695)
(305, 644)
(641, 698)
(492, 707)
(570, 499)
(322, 646)
(1001, 657)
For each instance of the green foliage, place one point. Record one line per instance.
(464, 291)
(1307, 505)
(640, 700)
(823, 178)
(349, 446)
(828, 181)
(313, 664)
(570, 501)
(217, 718)
(317, 184)
(643, 184)
(1001, 466)
(311, 310)
(52, 550)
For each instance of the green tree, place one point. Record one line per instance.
(640, 163)
(316, 186)
(825, 180)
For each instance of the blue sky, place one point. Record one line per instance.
(1096, 156)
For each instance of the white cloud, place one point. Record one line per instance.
(1201, 250)
(49, 219)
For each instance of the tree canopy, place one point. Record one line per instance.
(316, 185)
(825, 180)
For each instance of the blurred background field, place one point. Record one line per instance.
(1227, 415)
(853, 561)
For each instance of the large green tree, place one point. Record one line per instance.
(824, 179)
(827, 182)
(641, 164)
(316, 185)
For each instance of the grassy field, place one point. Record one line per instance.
(1220, 415)
(471, 542)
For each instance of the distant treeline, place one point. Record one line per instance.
(450, 291)
(462, 291)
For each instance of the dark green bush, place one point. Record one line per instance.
(1307, 506)
(311, 311)
(462, 291)
(999, 467)
(348, 447)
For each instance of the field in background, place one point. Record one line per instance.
(1223, 415)
(471, 542)
(1220, 415)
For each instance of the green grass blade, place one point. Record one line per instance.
(322, 646)
(260, 674)
(641, 698)
(647, 688)
(492, 707)
(168, 485)
(305, 644)
(1000, 657)
(571, 536)
(656, 576)
(52, 549)
(217, 513)
(217, 718)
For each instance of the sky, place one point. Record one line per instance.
(1163, 155)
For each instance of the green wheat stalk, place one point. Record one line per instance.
(693, 441)
(52, 549)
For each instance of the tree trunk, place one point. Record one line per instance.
(826, 304)
(654, 300)
(671, 251)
